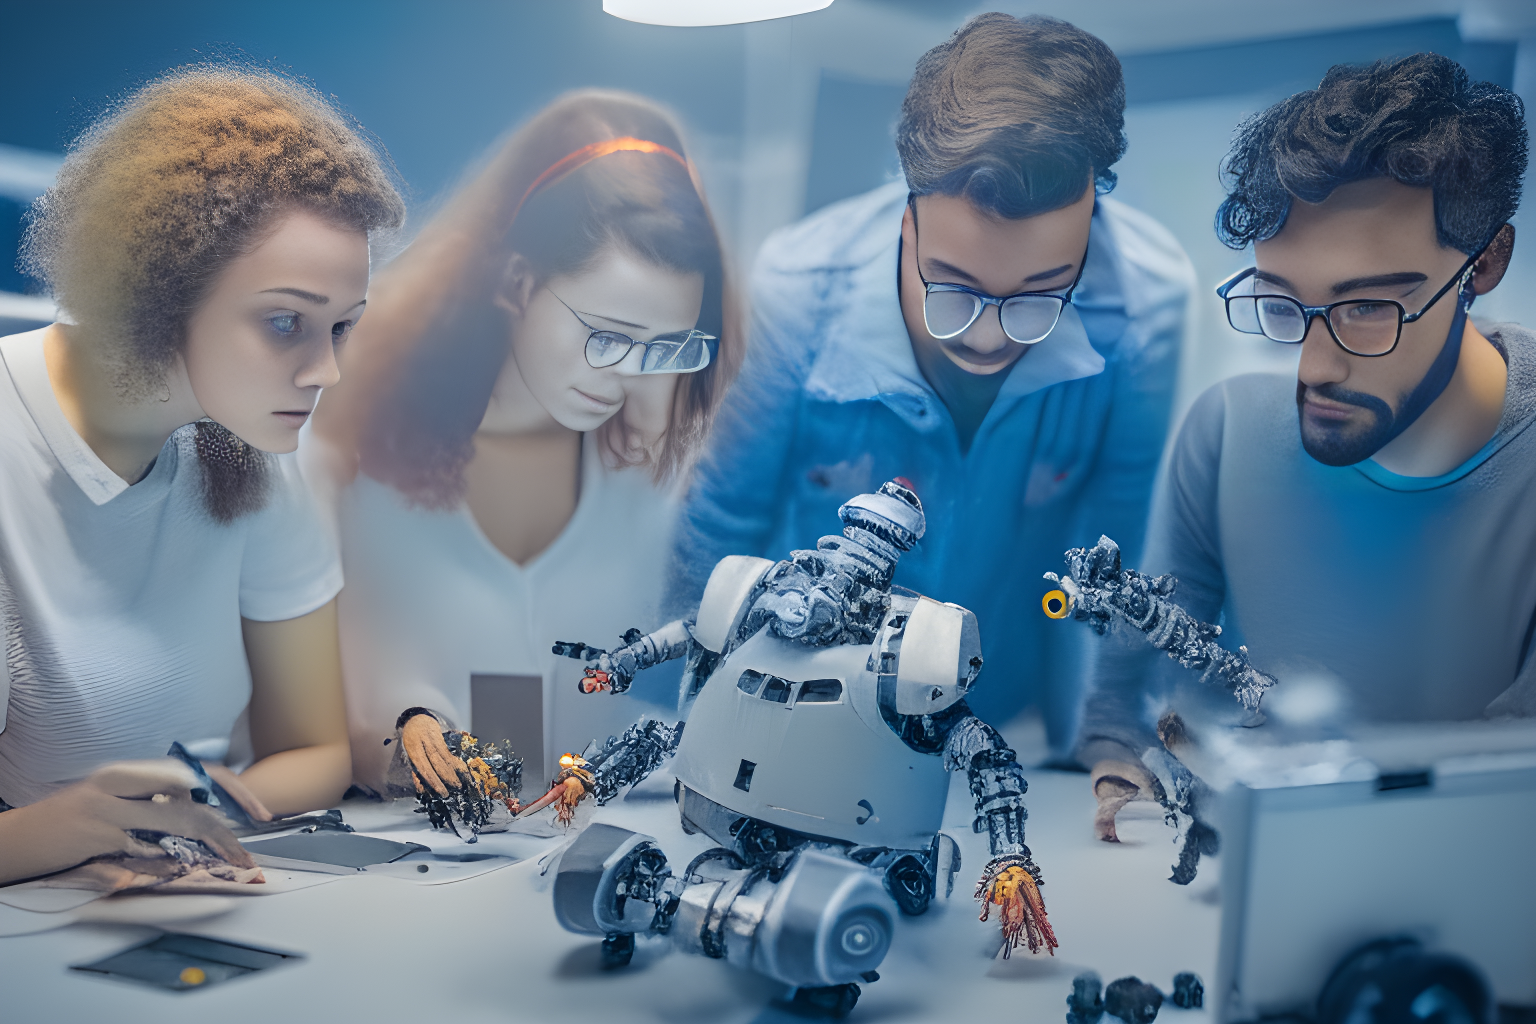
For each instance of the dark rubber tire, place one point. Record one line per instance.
(829, 1002)
(618, 950)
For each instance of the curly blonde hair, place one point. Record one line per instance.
(163, 191)
(179, 178)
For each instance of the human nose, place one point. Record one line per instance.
(632, 363)
(320, 368)
(1322, 360)
(986, 335)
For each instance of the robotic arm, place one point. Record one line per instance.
(614, 670)
(1097, 590)
(624, 761)
(1011, 880)
(997, 783)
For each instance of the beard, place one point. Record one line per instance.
(1344, 444)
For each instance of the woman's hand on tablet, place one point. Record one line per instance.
(92, 818)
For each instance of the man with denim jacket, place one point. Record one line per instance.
(994, 329)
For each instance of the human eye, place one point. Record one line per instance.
(606, 344)
(340, 330)
(285, 325)
(1371, 311)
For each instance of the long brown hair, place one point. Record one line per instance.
(428, 355)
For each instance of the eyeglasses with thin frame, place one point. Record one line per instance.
(678, 352)
(1361, 327)
(949, 310)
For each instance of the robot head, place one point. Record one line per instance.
(892, 513)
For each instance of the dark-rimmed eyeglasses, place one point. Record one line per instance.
(679, 352)
(1361, 327)
(949, 310)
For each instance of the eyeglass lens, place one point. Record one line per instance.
(1367, 327)
(1025, 318)
(673, 353)
(605, 348)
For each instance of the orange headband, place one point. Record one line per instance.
(586, 154)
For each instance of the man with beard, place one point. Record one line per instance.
(1379, 559)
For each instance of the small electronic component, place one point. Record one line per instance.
(1188, 992)
(1133, 1000)
(1086, 1003)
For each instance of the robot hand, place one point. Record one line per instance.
(572, 784)
(606, 672)
(1011, 882)
(433, 765)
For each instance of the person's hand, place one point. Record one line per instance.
(242, 794)
(1115, 784)
(91, 818)
(421, 739)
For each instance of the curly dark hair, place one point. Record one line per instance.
(1015, 114)
(163, 191)
(1418, 120)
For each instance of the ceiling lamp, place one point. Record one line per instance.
(692, 13)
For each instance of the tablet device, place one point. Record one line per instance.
(1310, 873)
(333, 852)
(185, 962)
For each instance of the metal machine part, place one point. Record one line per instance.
(727, 599)
(943, 657)
(912, 877)
(614, 670)
(997, 782)
(823, 920)
(1182, 793)
(1096, 590)
(627, 760)
(856, 781)
(826, 708)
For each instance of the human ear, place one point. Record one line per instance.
(518, 283)
(1489, 269)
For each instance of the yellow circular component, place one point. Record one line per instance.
(1055, 604)
(192, 976)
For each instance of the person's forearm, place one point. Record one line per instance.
(24, 849)
(300, 780)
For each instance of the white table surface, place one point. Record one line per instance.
(488, 948)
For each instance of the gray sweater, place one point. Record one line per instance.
(1414, 598)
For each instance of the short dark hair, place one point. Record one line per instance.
(1015, 114)
(1415, 119)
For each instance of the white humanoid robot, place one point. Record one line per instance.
(825, 709)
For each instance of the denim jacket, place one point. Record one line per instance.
(831, 403)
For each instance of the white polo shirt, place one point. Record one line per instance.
(121, 605)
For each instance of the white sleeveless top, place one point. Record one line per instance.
(430, 602)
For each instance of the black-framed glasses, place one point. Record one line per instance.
(679, 352)
(1361, 327)
(950, 309)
